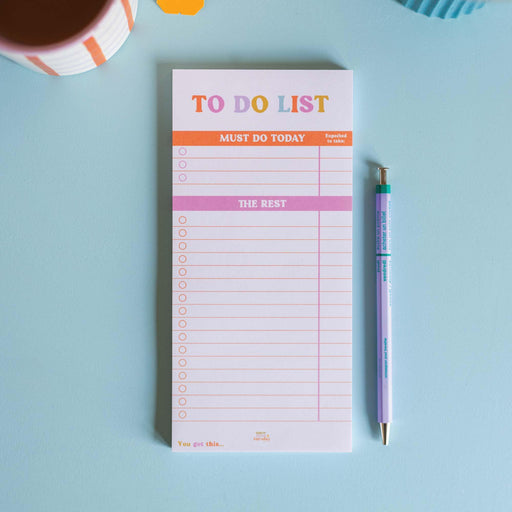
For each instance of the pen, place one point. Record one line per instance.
(383, 266)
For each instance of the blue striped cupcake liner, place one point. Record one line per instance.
(442, 8)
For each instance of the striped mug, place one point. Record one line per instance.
(64, 37)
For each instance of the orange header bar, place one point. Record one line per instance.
(275, 138)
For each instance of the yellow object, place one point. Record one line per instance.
(181, 6)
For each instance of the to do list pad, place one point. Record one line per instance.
(262, 260)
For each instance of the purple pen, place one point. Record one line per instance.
(383, 257)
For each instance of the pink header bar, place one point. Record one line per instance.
(262, 203)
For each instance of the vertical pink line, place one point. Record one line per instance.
(318, 170)
(318, 286)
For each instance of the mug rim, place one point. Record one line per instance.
(11, 46)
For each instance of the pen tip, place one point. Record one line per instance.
(384, 432)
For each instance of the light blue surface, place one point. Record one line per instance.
(84, 240)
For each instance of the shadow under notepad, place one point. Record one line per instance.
(164, 254)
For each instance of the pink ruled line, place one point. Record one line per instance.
(252, 226)
(261, 421)
(253, 394)
(265, 382)
(262, 278)
(258, 369)
(261, 408)
(264, 330)
(266, 158)
(257, 170)
(260, 317)
(284, 265)
(266, 252)
(181, 239)
(242, 356)
(254, 184)
(257, 291)
(265, 343)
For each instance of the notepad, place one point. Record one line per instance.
(262, 260)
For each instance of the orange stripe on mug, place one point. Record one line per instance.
(268, 138)
(41, 65)
(95, 50)
(128, 12)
